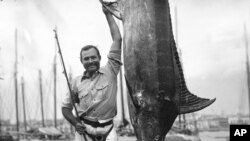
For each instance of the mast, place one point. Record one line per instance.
(24, 111)
(1, 78)
(247, 66)
(41, 96)
(176, 42)
(16, 83)
(23, 98)
(0, 104)
(196, 131)
(55, 84)
(124, 121)
(180, 54)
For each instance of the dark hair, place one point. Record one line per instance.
(87, 47)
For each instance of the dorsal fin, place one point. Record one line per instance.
(187, 101)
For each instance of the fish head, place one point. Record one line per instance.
(151, 115)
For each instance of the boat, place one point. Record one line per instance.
(240, 118)
(21, 131)
(5, 136)
(51, 133)
(181, 132)
(181, 137)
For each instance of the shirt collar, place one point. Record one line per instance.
(100, 71)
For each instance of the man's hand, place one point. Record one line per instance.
(80, 128)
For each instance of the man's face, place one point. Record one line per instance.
(90, 60)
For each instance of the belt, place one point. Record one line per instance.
(96, 123)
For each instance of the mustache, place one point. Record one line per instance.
(96, 63)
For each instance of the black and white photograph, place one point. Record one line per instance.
(124, 70)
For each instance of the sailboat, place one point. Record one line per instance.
(42, 132)
(247, 70)
(4, 136)
(51, 133)
(47, 132)
(241, 119)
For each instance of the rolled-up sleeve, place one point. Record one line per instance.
(114, 61)
(67, 102)
(67, 99)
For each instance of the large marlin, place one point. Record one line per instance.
(153, 72)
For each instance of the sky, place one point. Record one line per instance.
(210, 34)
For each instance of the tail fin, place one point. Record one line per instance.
(191, 103)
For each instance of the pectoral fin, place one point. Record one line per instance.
(131, 94)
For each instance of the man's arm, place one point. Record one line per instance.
(68, 115)
(114, 30)
(67, 108)
(114, 56)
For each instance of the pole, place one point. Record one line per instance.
(24, 111)
(67, 79)
(1, 78)
(16, 83)
(247, 66)
(122, 103)
(65, 72)
(176, 41)
(0, 105)
(70, 80)
(55, 84)
(41, 96)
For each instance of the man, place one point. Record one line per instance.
(95, 91)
